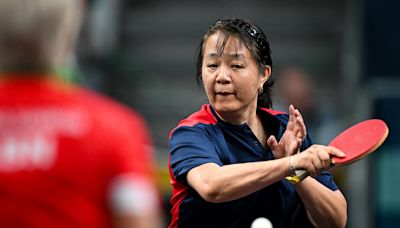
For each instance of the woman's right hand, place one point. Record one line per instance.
(316, 159)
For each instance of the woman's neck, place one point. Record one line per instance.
(251, 119)
(256, 126)
(238, 118)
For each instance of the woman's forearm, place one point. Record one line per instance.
(326, 208)
(226, 183)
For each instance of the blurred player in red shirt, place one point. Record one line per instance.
(69, 157)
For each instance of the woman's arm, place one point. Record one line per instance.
(325, 208)
(226, 183)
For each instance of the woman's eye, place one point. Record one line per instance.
(237, 66)
(212, 65)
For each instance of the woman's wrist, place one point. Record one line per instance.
(292, 169)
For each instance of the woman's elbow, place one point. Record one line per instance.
(340, 219)
(210, 193)
(343, 213)
(343, 216)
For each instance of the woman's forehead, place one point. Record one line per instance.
(220, 43)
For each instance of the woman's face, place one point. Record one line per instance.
(231, 79)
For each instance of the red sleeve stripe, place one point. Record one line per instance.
(273, 112)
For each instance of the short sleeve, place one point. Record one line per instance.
(326, 179)
(189, 148)
(132, 147)
(132, 181)
(121, 150)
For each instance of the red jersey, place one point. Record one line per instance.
(65, 152)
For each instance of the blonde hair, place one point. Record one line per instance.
(37, 34)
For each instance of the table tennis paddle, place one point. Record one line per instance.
(356, 142)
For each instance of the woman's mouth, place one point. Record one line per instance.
(223, 93)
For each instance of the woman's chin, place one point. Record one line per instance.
(225, 108)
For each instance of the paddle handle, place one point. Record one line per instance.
(298, 177)
(301, 174)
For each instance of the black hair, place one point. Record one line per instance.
(255, 41)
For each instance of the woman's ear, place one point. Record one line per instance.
(265, 75)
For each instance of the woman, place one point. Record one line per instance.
(229, 160)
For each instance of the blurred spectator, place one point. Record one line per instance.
(69, 157)
(296, 87)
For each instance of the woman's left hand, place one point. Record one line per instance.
(292, 138)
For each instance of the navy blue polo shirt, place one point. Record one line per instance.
(203, 138)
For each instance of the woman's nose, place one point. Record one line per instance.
(223, 75)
